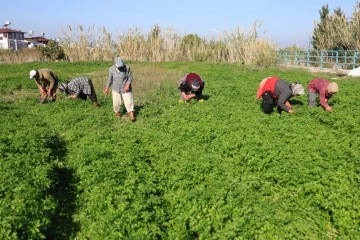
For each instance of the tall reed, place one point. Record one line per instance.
(158, 45)
(81, 44)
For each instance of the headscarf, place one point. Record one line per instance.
(332, 87)
(297, 89)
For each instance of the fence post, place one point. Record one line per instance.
(355, 56)
(337, 59)
(307, 58)
(345, 59)
(321, 58)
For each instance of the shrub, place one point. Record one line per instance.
(53, 51)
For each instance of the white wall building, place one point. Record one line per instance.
(12, 39)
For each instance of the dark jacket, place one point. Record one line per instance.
(283, 92)
(186, 81)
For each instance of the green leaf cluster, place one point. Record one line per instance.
(220, 169)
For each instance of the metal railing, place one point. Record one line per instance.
(339, 59)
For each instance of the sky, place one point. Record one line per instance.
(284, 22)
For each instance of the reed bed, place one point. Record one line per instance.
(21, 56)
(158, 45)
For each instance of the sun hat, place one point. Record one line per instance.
(118, 62)
(32, 73)
(297, 89)
(195, 85)
(333, 87)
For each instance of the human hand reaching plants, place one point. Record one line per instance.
(288, 104)
(329, 109)
(106, 91)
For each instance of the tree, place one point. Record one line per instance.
(319, 40)
(354, 28)
(336, 31)
(191, 46)
(53, 51)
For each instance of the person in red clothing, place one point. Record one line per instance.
(276, 92)
(191, 86)
(325, 89)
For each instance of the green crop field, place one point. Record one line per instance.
(220, 169)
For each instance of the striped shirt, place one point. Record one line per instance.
(79, 85)
(118, 78)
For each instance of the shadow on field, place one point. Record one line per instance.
(4, 108)
(137, 108)
(205, 96)
(63, 190)
(295, 102)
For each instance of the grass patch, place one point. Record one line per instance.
(220, 169)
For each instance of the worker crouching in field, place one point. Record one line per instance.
(80, 87)
(277, 92)
(325, 89)
(120, 78)
(191, 86)
(47, 81)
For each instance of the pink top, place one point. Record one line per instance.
(319, 86)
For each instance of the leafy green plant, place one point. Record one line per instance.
(219, 169)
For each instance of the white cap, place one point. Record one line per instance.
(32, 73)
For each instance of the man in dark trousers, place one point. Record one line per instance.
(191, 86)
(80, 87)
